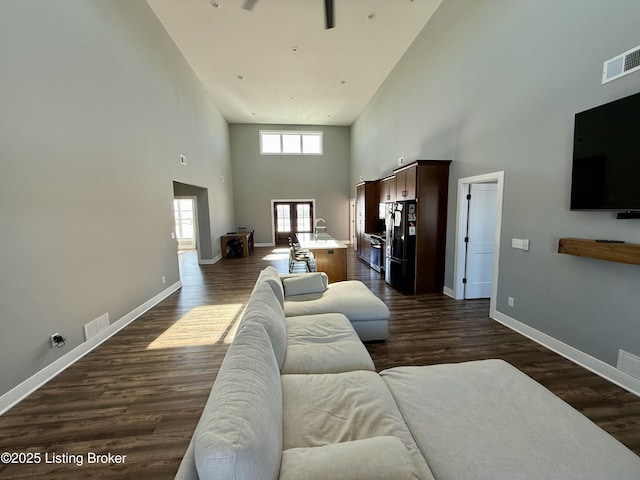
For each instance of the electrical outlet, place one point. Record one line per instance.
(510, 301)
(164, 279)
(57, 340)
(183, 160)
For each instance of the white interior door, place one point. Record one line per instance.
(481, 224)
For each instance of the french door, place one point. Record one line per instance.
(291, 218)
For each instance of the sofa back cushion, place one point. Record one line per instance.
(240, 434)
(265, 309)
(271, 276)
(305, 283)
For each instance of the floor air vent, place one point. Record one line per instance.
(621, 65)
(629, 363)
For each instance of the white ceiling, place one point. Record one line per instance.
(245, 59)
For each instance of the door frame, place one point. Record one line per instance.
(461, 227)
(287, 200)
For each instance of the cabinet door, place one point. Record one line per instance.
(406, 184)
(401, 178)
(365, 251)
(384, 190)
(360, 211)
(388, 190)
(411, 182)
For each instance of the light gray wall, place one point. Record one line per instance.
(96, 104)
(260, 178)
(494, 85)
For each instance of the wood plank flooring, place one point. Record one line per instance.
(141, 393)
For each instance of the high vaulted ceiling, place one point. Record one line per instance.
(278, 64)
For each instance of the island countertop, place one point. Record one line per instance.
(330, 255)
(320, 240)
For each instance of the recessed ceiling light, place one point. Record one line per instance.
(214, 4)
(292, 98)
(295, 49)
(371, 16)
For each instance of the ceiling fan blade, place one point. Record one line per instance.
(249, 4)
(328, 14)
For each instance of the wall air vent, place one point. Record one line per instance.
(621, 65)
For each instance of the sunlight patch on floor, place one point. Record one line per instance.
(277, 254)
(206, 325)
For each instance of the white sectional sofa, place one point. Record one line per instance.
(298, 398)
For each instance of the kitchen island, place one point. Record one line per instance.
(330, 254)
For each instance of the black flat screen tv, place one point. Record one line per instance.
(606, 157)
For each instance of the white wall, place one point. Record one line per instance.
(96, 104)
(493, 86)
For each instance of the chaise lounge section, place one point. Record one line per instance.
(311, 294)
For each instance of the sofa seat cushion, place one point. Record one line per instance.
(377, 458)
(368, 314)
(325, 409)
(324, 343)
(487, 420)
(244, 409)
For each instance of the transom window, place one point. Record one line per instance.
(290, 143)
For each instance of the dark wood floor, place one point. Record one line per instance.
(140, 394)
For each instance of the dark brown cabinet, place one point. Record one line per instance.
(367, 201)
(406, 180)
(428, 181)
(388, 190)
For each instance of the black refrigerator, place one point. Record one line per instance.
(400, 255)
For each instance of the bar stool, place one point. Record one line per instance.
(296, 257)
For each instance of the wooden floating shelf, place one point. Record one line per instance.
(612, 252)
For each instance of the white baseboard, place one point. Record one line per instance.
(600, 368)
(34, 382)
(209, 261)
(449, 292)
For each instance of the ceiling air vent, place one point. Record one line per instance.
(621, 65)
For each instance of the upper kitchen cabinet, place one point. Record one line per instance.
(388, 189)
(405, 179)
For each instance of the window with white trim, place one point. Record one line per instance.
(290, 142)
